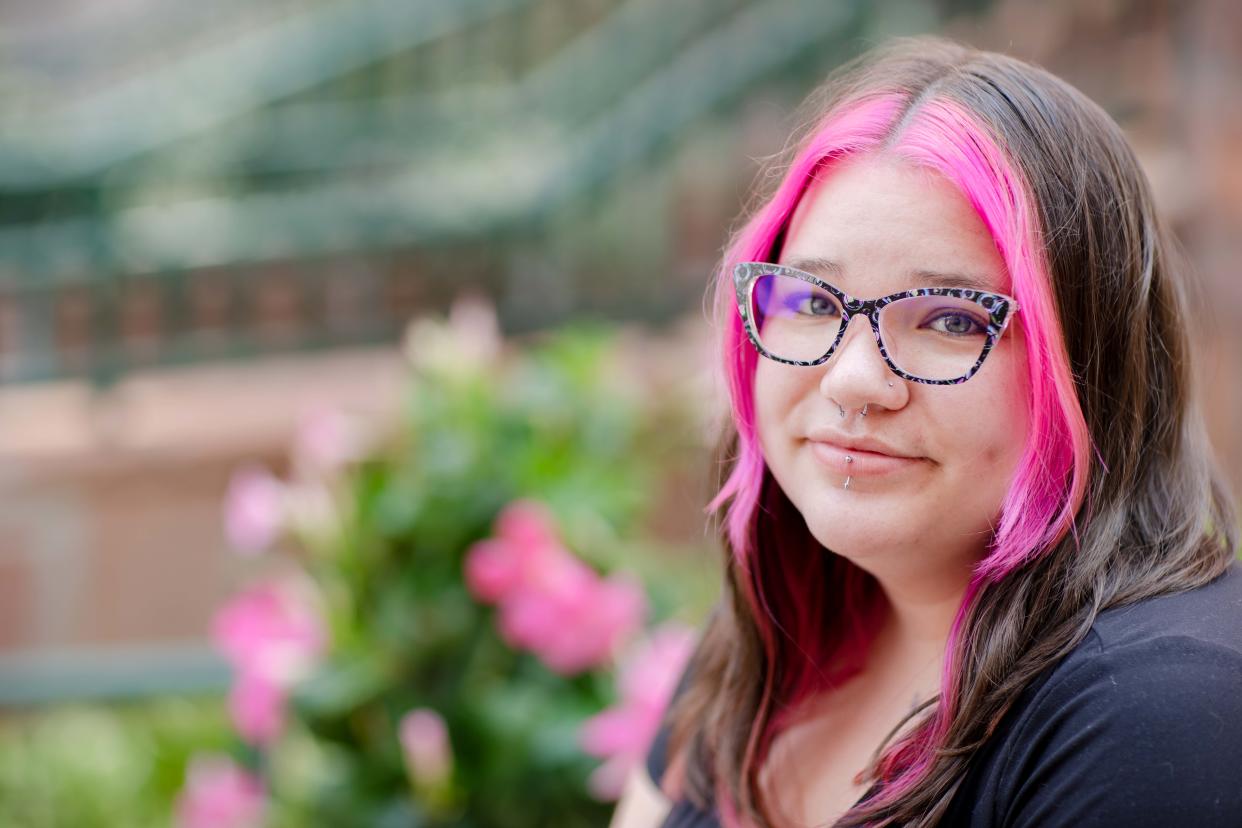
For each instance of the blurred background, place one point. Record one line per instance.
(221, 219)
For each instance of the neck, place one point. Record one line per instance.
(919, 616)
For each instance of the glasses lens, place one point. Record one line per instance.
(934, 337)
(794, 319)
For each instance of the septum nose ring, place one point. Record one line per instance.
(862, 413)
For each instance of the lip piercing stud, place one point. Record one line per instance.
(848, 478)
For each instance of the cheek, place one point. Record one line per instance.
(1014, 409)
(989, 430)
(786, 398)
(772, 398)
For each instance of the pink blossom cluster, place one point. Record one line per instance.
(220, 794)
(425, 745)
(254, 509)
(271, 635)
(549, 602)
(622, 734)
(327, 440)
(259, 507)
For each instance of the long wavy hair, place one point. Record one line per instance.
(1116, 497)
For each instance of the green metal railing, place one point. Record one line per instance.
(315, 145)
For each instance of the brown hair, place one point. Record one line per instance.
(1155, 516)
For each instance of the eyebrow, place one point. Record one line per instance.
(922, 278)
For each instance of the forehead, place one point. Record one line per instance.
(875, 226)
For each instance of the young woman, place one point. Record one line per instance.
(979, 564)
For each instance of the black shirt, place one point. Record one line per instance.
(1139, 725)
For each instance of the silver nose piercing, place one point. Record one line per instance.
(841, 410)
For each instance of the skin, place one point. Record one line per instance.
(642, 804)
(918, 529)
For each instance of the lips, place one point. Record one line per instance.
(856, 462)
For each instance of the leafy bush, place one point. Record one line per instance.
(441, 657)
(425, 648)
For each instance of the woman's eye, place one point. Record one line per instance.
(814, 305)
(957, 323)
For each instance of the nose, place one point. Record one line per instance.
(856, 373)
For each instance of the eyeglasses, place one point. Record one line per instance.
(933, 335)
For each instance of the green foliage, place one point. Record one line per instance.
(98, 766)
(558, 421)
(548, 425)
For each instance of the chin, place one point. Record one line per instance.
(857, 533)
(860, 536)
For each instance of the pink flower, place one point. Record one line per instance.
(577, 624)
(525, 551)
(492, 570)
(326, 439)
(527, 523)
(219, 794)
(650, 675)
(425, 745)
(257, 708)
(549, 601)
(608, 780)
(272, 636)
(272, 629)
(524, 544)
(529, 621)
(497, 567)
(253, 509)
(550, 591)
(622, 734)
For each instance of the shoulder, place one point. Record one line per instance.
(642, 805)
(1140, 725)
(1211, 613)
(1183, 642)
(1142, 657)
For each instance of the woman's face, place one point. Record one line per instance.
(884, 225)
